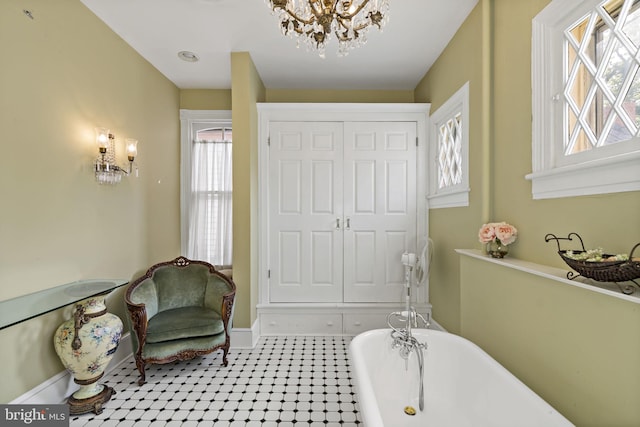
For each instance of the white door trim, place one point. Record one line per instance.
(268, 112)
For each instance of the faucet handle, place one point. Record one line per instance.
(425, 322)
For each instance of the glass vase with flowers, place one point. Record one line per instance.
(497, 236)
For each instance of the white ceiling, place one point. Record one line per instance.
(394, 59)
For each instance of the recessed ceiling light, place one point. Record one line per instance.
(185, 55)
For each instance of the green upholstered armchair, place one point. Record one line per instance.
(178, 310)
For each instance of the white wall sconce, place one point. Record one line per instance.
(107, 171)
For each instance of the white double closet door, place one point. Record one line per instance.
(342, 210)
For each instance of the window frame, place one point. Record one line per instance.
(605, 170)
(188, 120)
(456, 195)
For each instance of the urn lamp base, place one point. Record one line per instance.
(90, 404)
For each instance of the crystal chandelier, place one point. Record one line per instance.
(314, 21)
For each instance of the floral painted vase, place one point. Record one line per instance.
(85, 344)
(496, 249)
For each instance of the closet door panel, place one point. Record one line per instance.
(396, 187)
(289, 245)
(305, 212)
(364, 183)
(289, 182)
(362, 257)
(379, 208)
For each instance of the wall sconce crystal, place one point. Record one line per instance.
(107, 171)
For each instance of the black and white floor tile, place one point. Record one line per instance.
(283, 381)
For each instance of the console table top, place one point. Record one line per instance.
(25, 307)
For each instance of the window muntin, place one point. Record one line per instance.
(448, 152)
(601, 79)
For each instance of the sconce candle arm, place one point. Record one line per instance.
(109, 167)
(106, 169)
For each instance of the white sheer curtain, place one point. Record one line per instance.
(210, 213)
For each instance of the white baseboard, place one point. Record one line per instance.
(245, 337)
(57, 388)
(52, 391)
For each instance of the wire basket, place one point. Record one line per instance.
(601, 271)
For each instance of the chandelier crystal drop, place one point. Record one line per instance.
(315, 22)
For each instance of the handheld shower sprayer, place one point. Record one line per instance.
(409, 262)
(402, 338)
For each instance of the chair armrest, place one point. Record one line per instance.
(138, 323)
(227, 311)
(220, 296)
(141, 302)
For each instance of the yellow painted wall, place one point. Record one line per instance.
(205, 99)
(64, 73)
(578, 349)
(247, 90)
(572, 346)
(463, 60)
(316, 95)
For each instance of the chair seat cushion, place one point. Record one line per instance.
(184, 322)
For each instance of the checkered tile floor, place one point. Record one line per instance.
(283, 381)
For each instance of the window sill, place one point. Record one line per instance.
(452, 199)
(612, 175)
(557, 274)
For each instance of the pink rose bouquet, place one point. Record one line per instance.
(500, 232)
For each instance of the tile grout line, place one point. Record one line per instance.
(283, 381)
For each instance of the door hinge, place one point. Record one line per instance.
(269, 141)
(416, 141)
(268, 274)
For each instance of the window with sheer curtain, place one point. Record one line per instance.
(207, 192)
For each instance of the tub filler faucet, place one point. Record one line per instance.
(407, 343)
(408, 319)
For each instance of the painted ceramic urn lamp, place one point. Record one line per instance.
(86, 344)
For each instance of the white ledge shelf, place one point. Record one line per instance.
(557, 274)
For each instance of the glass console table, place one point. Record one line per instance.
(25, 307)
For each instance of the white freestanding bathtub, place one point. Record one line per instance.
(463, 385)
